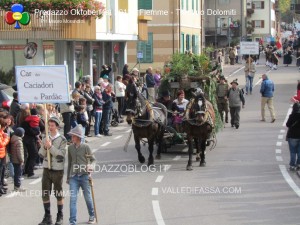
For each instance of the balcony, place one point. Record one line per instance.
(51, 27)
(222, 31)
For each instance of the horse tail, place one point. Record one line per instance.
(127, 142)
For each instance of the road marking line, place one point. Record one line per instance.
(289, 180)
(157, 213)
(154, 191)
(128, 130)
(177, 158)
(118, 137)
(279, 143)
(258, 82)
(36, 181)
(11, 195)
(159, 179)
(105, 144)
(280, 136)
(278, 151)
(287, 116)
(282, 131)
(279, 158)
(102, 151)
(235, 72)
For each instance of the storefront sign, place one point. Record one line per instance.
(43, 84)
(249, 48)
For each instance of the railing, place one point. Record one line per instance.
(222, 31)
(54, 27)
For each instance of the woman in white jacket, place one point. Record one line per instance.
(120, 94)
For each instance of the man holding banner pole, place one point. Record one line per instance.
(54, 145)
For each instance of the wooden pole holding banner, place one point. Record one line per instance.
(47, 137)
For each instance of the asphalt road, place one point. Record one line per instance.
(245, 182)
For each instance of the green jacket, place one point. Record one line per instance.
(78, 159)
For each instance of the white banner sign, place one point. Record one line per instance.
(43, 84)
(249, 48)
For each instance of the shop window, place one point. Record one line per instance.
(146, 47)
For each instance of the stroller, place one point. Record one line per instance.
(115, 120)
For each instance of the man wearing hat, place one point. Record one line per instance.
(222, 90)
(150, 85)
(80, 160)
(165, 99)
(56, 144)
(235, 97)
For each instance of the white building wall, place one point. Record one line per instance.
(117, 24)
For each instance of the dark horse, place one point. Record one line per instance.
(148, 121)
(198, 123)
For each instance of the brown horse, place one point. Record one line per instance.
(198, 123)
(147, 122)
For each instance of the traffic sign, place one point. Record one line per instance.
(140, 55)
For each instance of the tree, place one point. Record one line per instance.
(284, 5)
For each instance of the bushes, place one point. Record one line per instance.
(7, 77)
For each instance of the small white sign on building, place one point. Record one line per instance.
(43, 84)
(249, 48)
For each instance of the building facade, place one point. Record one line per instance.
(83, 44)
(262, 19)
(224, 22)
(174, 26)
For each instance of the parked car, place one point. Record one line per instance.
(6, 96)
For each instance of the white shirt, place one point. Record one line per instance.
(120, 89)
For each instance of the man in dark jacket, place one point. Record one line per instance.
(267, 91)
(293, 137)
(15, 106)
(107, 107)
(150, 84)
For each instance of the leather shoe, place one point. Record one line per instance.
(273, 120)
(108, 134)
(3, 192)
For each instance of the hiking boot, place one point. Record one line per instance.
(47, 220)
(59, 219)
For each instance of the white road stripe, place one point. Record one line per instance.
(36, 181)
(159, 179)
(279, 143)
(258, 82)
(289, 180)
(278, 151)
(280, 136)
(235, 72)
(102, 151)
(282, 131)
(287, 116)
(118, 137)
(105, 144)
(157, 213)
(279, 158)
(154, 191)
(11, 195)
(177, 158)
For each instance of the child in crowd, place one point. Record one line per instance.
(17, 156)
(81, 119)
(34, 121)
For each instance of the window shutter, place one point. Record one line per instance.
(253, 23)
(182, 4)
(262, 24)
(182, 43)
(187, 5)
(147, 49)
(145, 4)
(262, 5)
(253, 6)
(197, 5)
(193, 5)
